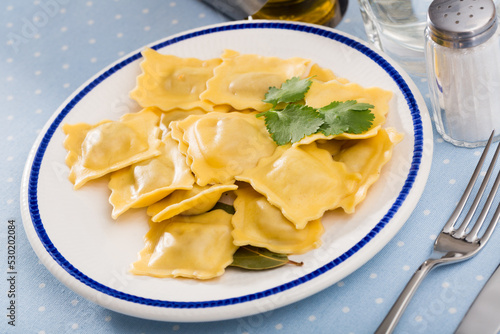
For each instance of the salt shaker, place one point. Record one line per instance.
(463, 70)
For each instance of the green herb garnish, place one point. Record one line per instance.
(348, 116)
(223, 206)
(292, 123)
(255, 258)
(292, 90)
(289, 120)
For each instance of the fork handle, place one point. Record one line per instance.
(392, 318)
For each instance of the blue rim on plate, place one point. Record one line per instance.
(409, 182)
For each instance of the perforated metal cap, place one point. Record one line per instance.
(461, 23)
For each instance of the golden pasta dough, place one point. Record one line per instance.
(188, 246)
(242, 80)
(367, 157)
(260, 224)
(303, 181)
(222, 145)
(96, 150)
(149, 181)
(169, 82)
(190, 202)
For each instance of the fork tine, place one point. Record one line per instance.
(448, 227)
(460, 232)
(479, 223)
(489, 231)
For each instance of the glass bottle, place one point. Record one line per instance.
(463, 70)
(311, 11)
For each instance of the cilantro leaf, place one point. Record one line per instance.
(292, 90)
(348, 116)
(292, 123)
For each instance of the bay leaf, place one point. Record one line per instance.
(223, 206)
(255, 258)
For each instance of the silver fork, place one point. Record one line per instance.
(452, 244)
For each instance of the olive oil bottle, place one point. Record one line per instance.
(324, 12)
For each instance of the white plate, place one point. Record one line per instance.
(76, 239)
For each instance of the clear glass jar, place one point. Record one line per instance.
(463, 70)
(397, 28)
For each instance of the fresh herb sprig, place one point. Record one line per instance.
(289, 119)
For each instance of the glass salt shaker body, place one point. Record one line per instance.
(463, 70)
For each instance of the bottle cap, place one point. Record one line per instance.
(461, 23)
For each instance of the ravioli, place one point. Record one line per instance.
(242, 80)
(332, 146)
(321, 74)
(188, 246)
(198, 134)
(219, 146)
(178, 134)
(367, 157)
(194, 201)
(321, 94)
(176, 115)
(170, 82)
(149, 181)
(303, 181)
(96, 150)
(260, 224)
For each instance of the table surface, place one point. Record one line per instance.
(50, 47)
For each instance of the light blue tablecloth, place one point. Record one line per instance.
(50, 47)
